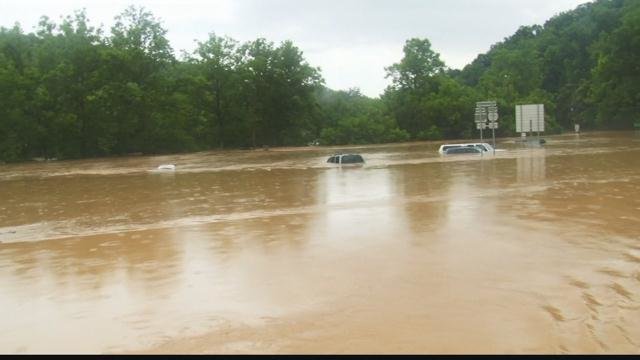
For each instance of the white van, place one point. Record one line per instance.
(485, 147)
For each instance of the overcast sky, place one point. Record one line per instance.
(352, 41)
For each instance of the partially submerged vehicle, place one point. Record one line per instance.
(484, 147)
(346, 159)
(166, 167)
(463, 150)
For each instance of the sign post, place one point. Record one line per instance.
(481, 121)
(493, 125)
(487, 111)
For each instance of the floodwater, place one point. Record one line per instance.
(533, 250)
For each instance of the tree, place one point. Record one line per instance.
(616, 84)
(137, 63)
(279, 85)
(218, 60)
(352, 118)
(69, 91)
(422, 97)
(419, 64)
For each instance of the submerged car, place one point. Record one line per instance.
(463, 150)
(167, 167)
(346, 159)
(484, 147)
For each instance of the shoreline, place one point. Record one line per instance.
(289, 148)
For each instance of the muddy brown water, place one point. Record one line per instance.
(533, 250)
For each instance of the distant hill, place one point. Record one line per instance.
(584, 64)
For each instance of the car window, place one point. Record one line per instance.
(351, 159)
(463, 150)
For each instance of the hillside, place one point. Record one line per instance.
(582, 64)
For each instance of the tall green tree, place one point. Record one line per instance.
(417, 68)
(616, 83)
(138, 60)
(423, 99)
(220, 85)
(279, 85)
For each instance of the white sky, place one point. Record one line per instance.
(352, 41)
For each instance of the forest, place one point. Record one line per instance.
(70, 90)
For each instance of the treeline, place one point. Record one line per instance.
(582, 65)
(69, 90)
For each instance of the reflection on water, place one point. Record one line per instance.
(531, 166)
(530, 250)
(361, 207)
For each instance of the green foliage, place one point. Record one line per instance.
(616, 83)
(69, 90)
(352, 118)
(419, 65)
(363, 130)
(580, 64)
(432, 133)
(426, 102)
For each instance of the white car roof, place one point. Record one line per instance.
(487, 145)
(465, 144)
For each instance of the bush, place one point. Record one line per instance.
(363, 130)
(432, 133)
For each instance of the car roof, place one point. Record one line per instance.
(462, 144)
(465, 144)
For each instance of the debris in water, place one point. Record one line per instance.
(168, 167)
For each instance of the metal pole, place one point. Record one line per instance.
(481, 126)
(538, 122)
(493, 131)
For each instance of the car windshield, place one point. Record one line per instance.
(351, 159)
(463, 150)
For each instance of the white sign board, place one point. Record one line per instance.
(530, 118)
